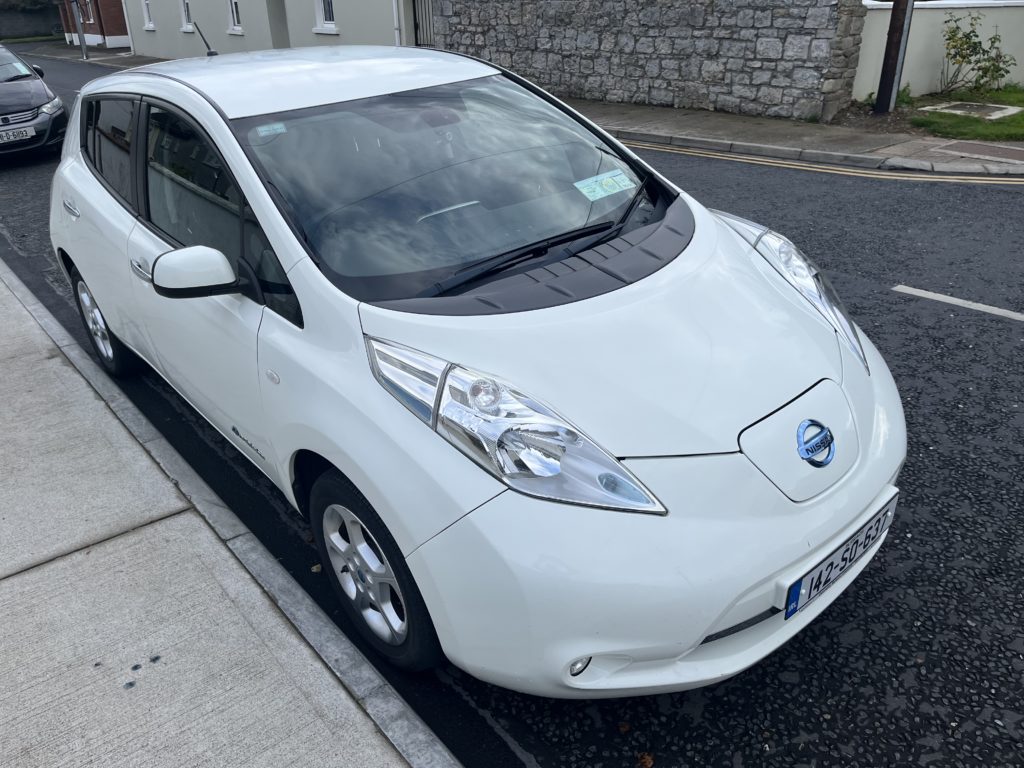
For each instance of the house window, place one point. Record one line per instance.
(325, 18)
(85, 6)
(236, 17)
(186, 17)
(147, 16)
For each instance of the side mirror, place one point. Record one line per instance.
(38, 70)
(190, 273)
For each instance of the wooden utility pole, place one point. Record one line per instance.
(895, 52)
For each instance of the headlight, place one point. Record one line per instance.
(804, 275)
(800, 272)
(517, 439)
(52, 107)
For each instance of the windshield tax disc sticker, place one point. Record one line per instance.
(604, 185)
(272, 129)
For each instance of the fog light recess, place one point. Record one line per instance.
(577, 667)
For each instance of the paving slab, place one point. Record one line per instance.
(667, 121)
(71, 473)
(166, 653)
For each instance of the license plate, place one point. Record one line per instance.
(803, 591)
(17, 134)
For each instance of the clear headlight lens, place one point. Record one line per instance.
(804, 275)
(517, 439)
(52, 107)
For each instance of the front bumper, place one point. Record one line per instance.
(49, 132)
(522, 587)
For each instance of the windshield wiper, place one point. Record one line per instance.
(616, 228)
(503, 261)
(19, 76)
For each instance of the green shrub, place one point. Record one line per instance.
(970, 61)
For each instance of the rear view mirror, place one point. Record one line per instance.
(190, 273)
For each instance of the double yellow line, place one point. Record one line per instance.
(863, 173)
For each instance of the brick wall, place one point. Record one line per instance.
(112, 14)
(108, 18)
(783, 58)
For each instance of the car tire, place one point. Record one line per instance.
(369, 574)
(114, 356)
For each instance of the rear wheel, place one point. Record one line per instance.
(114, 356)
(369, 574)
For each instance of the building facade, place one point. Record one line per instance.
(170, 28)
(103, 23)
(781, 58)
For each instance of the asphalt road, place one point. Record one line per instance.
(921, 660)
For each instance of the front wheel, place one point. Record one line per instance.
(114, 356)
(369, 575)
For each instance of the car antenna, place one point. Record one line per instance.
(209, 50)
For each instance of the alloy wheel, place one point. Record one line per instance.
(365, 575)
(94, 321)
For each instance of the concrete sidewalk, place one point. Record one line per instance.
(796, 140)
(131, 633)
(115, 58)
(741, 134)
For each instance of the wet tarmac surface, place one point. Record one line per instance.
(921, 661)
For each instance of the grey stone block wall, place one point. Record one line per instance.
(780, 58)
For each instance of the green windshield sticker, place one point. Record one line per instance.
(271, 129)
(22, 69)
(604, 185)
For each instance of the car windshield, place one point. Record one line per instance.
(12, 68)
(395, 192)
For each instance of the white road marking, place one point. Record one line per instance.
(960, 302)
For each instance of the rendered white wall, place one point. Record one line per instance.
(168, 41)
(925, 49)
(356, 22)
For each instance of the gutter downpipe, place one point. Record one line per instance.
(398, 24)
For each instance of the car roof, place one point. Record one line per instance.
(261, 82)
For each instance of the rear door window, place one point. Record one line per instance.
(108, 130)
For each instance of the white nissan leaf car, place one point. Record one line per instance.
(547, 415)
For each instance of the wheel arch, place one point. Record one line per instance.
(306, 467)
(66, 263)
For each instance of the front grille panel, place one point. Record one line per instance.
(12, 118)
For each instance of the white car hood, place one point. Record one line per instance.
(678, 363)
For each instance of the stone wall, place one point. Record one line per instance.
(781, 58)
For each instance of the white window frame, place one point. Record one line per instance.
(147, 16)
(235, 18)
(326, 19)
(186, 16)
(88, 15)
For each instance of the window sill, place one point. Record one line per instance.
(332, 30)
(188, 28)
(149, 28)
(236, 31)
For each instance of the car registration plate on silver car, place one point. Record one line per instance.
(825, 574)
(17, 134)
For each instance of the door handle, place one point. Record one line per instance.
(70, 208)
(141, 272)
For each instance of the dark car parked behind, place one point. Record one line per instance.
(31, 115)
